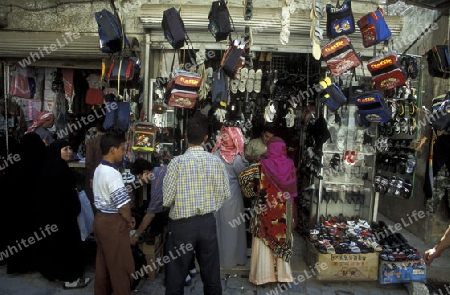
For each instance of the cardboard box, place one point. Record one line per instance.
(342, 267)
(402, 271)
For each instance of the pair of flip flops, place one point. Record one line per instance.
(316, 33)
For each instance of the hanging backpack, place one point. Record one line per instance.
(219, 20)
(233, 59)
(117, 116)
(219, 87)
(144, 138)
(340, 20)
(182, 90)
(340, 56)
(110, 32)
(332, 95)
(386, 72)
(438, 59)
(173, 27)
(374, 28)
(372, 107)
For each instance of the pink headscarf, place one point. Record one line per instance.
(279, 168)
(41, 118)
(230, 143)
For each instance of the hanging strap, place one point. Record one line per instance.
(232, 23)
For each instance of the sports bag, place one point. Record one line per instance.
(340, 56)
(373, 28)
(233, 59)
(110, 32)
(438, 59)
(144, 138)
(173, 27)
(332, 95)
(372, 107)
(182, 90)
(340, 19)
(117, 116)
(219, 20)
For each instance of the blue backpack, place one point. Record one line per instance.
(219, 87)
(340, 20)
(374, 28)
(372, 107)
(117, 116)
(112, 38)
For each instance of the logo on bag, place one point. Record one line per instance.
(343, 8)
(373, 118)
(367, 99)
(334, 46)
(389, 82)
(342, 27)
(381, 64)
(193, 82)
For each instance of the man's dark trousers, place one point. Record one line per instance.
(197, 233)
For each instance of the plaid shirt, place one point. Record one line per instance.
(196, 183)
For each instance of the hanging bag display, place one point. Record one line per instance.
(340, 20)
(110, 32)
(125, 69)
(182, 90)
(374, 28)
(372, 107)
(386, 72)
(219, 20)
(332, 95)
(144, 138)
(173, 26)
(340, 56)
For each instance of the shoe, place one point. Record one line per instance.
(250, 80)
(188, 281)
(79, 283)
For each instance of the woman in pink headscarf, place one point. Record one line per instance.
(230, 228)
(272, 184)
(43, 121)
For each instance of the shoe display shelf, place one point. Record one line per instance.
(398, 142)
(342, 201)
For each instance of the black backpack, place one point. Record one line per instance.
(219, 20)
(438, 59)
(110, 32)
(173, 27)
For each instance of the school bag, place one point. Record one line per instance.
(110, 32)
(117, 116)
(173, 26)
(182, 90)
(340, 56)
(126, 70)
(386, 72)
(219, 20)
(438, 59)
(219, 87)
(332, 95)
(374, 28)
(372, 107)
(233, 59)
(340, 20)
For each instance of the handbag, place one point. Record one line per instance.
(340, 20)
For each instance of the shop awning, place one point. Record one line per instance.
(51, 49)
(265, 23)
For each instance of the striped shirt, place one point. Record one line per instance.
(109, 191)
(196, 183)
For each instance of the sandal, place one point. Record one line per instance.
(79, 283)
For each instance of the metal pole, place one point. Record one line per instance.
(6, 89)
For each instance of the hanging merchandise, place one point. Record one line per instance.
(110, 31)
(182, 90)
(126, 69)
(144, 138)
(219, 20)
(332, 95)
(440, 119)
(117, 117)
(372, 107)
(386, 72)
(19, 83)
(373, 28)
(340, 56)
(233, 59)
(219, 88)
(173, 26)
(340, 20)
(438, 59)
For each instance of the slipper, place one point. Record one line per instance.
(248, 9)
(284, 35)
(250, 80)
(285, 16)
(80, 283)
(258, 78)
(243, 81)
(234, 84)
(316, 51)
